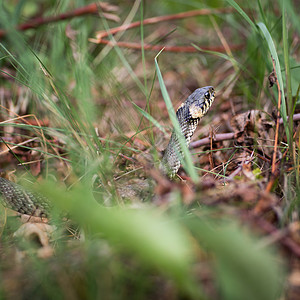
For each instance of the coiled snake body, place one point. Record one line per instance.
(23, 201)
(188, 114)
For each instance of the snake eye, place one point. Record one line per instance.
(207, 95)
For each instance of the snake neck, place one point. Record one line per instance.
(173, 155)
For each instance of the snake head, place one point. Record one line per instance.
(200, 101)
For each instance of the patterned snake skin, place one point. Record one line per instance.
(23, 201)
(189, 113)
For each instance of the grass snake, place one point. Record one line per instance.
(188, 114)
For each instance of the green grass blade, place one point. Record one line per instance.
(142, 44)
(292, 12)
(262, 13)
(187, 163)
(149, 117)
(286, 55)
(234, 62)
(242, 13)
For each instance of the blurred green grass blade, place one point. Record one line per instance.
(128, 140)
(262, 13)
(187, 161)
(244, 270)
(142, 44)
(272, 49)
(19, 6)
(119, 52)
(222, 55)
(40, 61)
(233, 61)
(128, 67)
(242, 13)
(292, 12)
(18, 80)
(18, 66)
(4, 57)
(149, 117)
(286, 55)
(157, 240)
(211, 172)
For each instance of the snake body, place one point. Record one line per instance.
(23, 200)
(188, 114)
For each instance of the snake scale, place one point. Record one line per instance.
(188, 114)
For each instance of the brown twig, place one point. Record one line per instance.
(260, 206)
(183, 49)
(188, 14)
(216, 138)
(277, 121)
(92, 8)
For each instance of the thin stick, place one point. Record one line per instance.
(182, 49)
(188, 14)
(277, 121)
(17, 145)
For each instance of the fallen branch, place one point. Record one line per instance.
(92, 8)
(216, 138)
(182, 49)
(188, 14)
